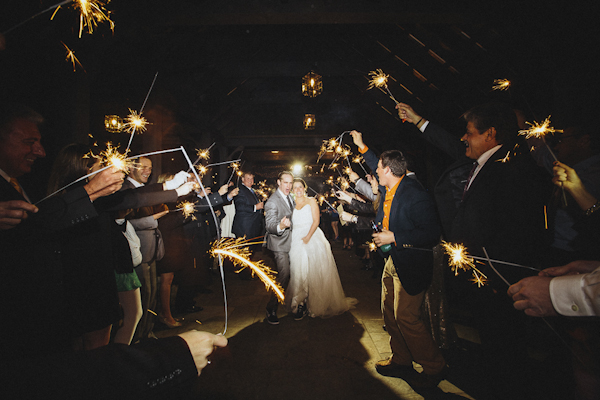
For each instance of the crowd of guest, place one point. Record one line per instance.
(103, 254)
(75, 258)
(497, 200)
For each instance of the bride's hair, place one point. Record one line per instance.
(301, 181)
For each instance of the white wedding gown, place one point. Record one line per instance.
(313, 272)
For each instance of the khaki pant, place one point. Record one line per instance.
(409, 338)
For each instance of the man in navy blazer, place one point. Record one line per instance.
(248, 220)
(408, 218)
(492, 196)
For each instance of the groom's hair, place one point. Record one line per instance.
(282, 173)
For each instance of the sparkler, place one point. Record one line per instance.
(322, 199)
(91, 13)
(501, 84)
(112, 158)
(188, 208)
(539, 131)
(135, 120)
(203, 154)
(234, 167)
(224, 162)
(218, 232)
(379, 80)
(71, 57)
(237, 250)
(359, 160)
(492, 266)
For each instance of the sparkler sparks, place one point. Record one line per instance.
(111, 156)
(91, 13)
(237, 250)
(501, 84)
(203, 154)
(71, 58)
(187, 207)
(135, 122)
(378, 79)
(461, 260)
(372, 246)
(539, 131)
(201, 169)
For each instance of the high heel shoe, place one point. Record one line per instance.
(164, 321)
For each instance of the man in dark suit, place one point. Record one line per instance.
(248, 220)
(31, 267)
(492, 196)
(407, 216)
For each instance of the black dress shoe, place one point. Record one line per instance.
(300, 313)
(389, 368)
(424, 381)
(272, 317)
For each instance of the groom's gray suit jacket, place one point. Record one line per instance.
(275, 209)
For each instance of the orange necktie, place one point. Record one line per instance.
(16, 185)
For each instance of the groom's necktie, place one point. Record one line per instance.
(290, 203)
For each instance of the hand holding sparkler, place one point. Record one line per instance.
(179, 179)
(358, 140)
(185, 189)
(234, 192)
(159, 215)
(407, 113)
(532, 295)
(343, 195)
(202, 345)
(224, 189)
(566, 178)
(13, 212)
(105, 183)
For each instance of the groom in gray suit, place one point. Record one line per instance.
(278, 236)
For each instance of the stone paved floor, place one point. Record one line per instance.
(309, 359)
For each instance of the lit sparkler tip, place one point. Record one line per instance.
(92, 13)
(501, 84)
(203, 154)
(378, 79)
(372, 246)
(461, 260)
(111, 156)
(201, 169)
(135, 122)
(538, 130)
(187, 207)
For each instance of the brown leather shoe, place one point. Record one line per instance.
(389, 368)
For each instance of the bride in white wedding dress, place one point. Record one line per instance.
(315, 286)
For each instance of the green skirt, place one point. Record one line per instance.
(127, 281)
